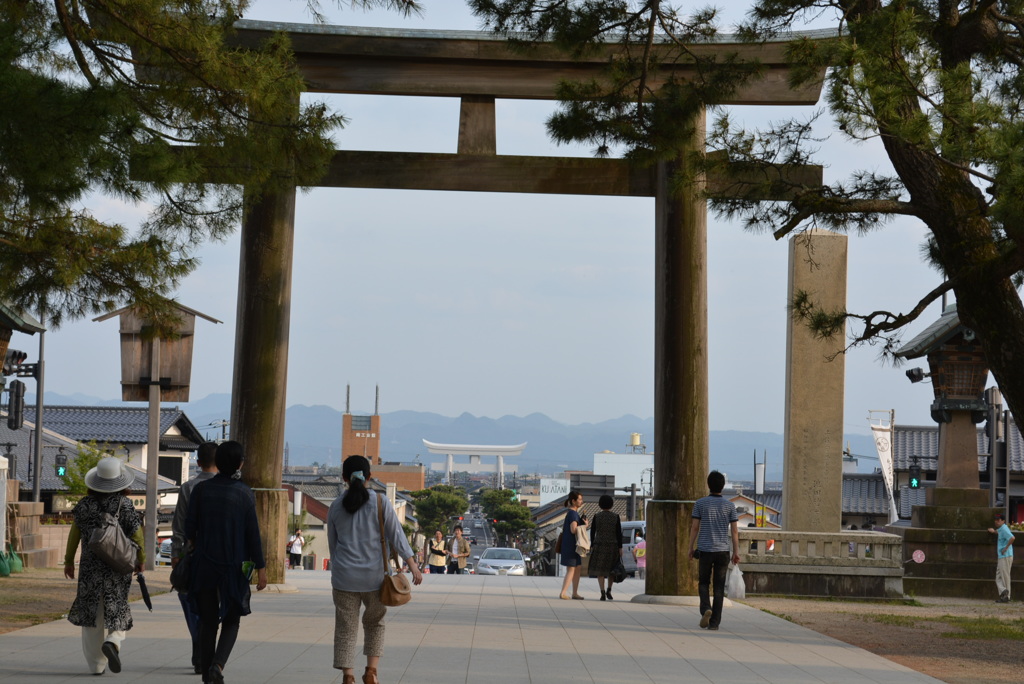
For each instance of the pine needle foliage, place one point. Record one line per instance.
(152, 105)
(938, 83)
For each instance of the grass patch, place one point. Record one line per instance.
(894, 620)
(909, 601)
(984, 628)
(36, 618)
(778, 615)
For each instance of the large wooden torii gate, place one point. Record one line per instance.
(480, 68)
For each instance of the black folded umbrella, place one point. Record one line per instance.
(145, 591)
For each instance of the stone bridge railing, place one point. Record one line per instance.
(850, 563)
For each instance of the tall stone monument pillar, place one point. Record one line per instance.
(813, 466)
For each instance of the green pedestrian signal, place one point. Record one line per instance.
(60, 464)
(915, 477)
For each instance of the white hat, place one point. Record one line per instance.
(109, 475)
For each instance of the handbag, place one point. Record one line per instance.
(395, 590)
(618, 572)
(558, 544)
(110, 544)
(181, 574)
(582, 541)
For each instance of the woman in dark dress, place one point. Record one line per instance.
(222, 528)
(605, 544)
(570, 559)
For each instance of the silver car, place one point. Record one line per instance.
(501, 561)
(163, 556)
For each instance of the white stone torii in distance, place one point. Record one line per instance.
(475, 451)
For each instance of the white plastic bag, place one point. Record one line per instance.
(734, 587)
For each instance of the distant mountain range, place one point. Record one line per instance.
(312, 434)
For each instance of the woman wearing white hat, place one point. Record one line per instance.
(101, 604)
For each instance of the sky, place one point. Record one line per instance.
(507, 304)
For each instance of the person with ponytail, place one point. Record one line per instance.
(357, 568)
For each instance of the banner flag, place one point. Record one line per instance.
(883, 445)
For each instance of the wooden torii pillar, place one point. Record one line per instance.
(479, 68)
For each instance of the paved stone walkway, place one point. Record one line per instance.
(476, 630)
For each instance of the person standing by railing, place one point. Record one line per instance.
(1004, 557)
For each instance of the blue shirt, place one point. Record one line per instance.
(354, 541)
(1003, 537)
(716, 515)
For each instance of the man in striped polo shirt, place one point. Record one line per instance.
(716, 532)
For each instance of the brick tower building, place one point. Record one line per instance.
(360, 435)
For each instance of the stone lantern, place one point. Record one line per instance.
(951, 529)
(155, 369)
(959, 372)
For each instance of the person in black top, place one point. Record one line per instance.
(223, 530)
(605, 544)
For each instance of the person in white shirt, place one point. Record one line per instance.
(295, 543)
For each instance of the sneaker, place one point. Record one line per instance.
(113, 657)
(1002, 599)
(705, 619)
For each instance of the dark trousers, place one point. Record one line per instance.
(211, 649)
(712, 565)
(192, 620)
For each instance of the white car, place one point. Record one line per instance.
(501, 561)
(163, 556)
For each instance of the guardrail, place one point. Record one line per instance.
(850, 563)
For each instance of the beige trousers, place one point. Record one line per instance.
(92, 642)
(346, 624)
(1003, 566)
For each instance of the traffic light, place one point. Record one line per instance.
(915, 477)
(12, 359)
(16, 405)
(60, 464)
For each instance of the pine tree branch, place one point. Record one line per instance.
(76, 48)
(814, 204)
